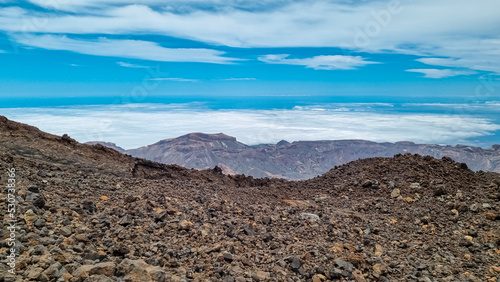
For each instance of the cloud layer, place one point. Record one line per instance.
(453, 33)
(136, 125)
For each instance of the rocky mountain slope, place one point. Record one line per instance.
(297, 160)
(107, 144)
(89, 213)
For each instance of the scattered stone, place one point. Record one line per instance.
(34, 189)
(366, 183)
(98, 278)
(261, 275)
(335, 273)
(228, 257)
(296, 264)
(440, 190)
(39, 223)
(267, 220)
(89, 206)
(378, 270)
(81, 237)
(474, 207)
(415, 186)
(103, 268)
(358, 276)
(34, 273)
(319, 278)
(138, 270)
(37, 199)
(309, 216)
(29, 218)
(228, 278)
(53, 271)
(126, 220)
(395, 193)
(491, 215)
(344, 265)
(297, 203)
(185, 225)
(130, 199)
(65, 231)
(249, 230)
(338, 247)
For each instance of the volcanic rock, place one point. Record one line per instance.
(167, 223)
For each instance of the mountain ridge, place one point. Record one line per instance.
(298, 159)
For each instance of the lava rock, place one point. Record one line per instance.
(296, 264)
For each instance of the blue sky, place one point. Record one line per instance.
(215, 57)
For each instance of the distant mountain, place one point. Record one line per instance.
(297, 160)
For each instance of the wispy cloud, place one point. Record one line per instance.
(441, 73)
(199, 80)
(237, 79)
(78, 5)
(482, 60)
(335, 62)
(469, 34)
(130, 125)
(128, 65)
(133, 49)
(179, 79)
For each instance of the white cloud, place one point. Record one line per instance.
(78, 5)
(438, 73)
(198, 80)
(463, 30)
(11, 12)
(175, 79)
(493, 103)
(482, 60)
(237, 79)
(319, 62)
(130, 126)
(128, 65)
(133, 49)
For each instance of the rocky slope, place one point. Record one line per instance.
(197, 150)
(107, 144)
(297, 160)
(89, 213)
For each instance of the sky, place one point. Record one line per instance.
(135, 72)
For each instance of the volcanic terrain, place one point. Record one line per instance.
(298, 160)
(89, 213)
